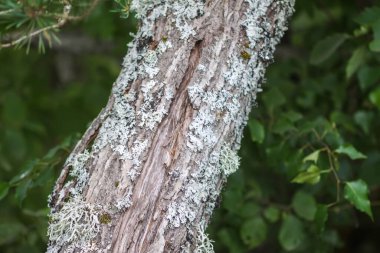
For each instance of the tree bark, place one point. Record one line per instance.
(147, 174)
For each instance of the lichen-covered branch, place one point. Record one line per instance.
(152, 165)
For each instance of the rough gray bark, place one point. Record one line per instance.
(146, 175)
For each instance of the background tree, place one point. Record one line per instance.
(252, 196)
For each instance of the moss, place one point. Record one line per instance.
(245, 55)
(105, 218)
(117, 183)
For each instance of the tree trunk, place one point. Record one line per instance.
(147, 174)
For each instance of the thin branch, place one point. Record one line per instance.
(62, 20)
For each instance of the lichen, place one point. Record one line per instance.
(78, 162)
(203, 244)
(229, 161)
(200, 189)
(76, 222)
(183, 11)
(125, 202)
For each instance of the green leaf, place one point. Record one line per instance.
(356, 192)
(10, 232)
(21, 191)
(326, 47)
(257, 130)
(364, 120)
(304, 205)
(362, 30)
(272, 214)
(357, 59)
(26, 172)
(231, 239)
(311, 176)
(4, 188)
(233, 200)
(376, 29)
(274, 98)
(368, 76)
(321, 217)
(374, 45)
(368, 16)
(351, 151)
(341, 119)
(313, 157)
(16, 144)
(291, 233)
(374, 97)
(254, 232)
(14, 110)
(249, 210)
(293, 116)
(282, 126)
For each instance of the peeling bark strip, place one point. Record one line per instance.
(147, 174)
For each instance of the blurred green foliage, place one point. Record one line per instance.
(310, 175)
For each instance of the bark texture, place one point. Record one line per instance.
(147, 174)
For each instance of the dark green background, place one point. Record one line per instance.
(322, 91)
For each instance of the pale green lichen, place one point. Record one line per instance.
(76, 222)
(78, 162)
(203, 244)
(199, 242)
(229, 161)
(126, 201)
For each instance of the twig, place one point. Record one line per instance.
(62, 20)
